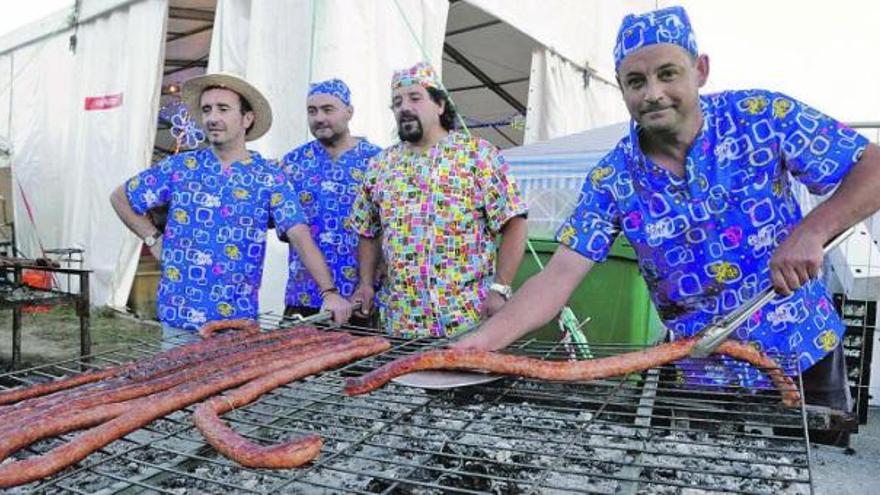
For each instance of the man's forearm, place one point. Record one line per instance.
(139, 224)
(511, 250)
(301, 240)
(854, 200)
(368, 259)
(535, 303)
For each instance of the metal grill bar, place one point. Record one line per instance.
(642, 434)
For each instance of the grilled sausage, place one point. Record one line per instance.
(153, 369)
(288, 454)
(244, 324)
(140, 412)
(138, 368)
(565, 371)
(31, 426)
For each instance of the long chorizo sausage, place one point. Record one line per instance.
(141, 367)
(113, 385)
(288, 454)
(247, 326)
(591, 369)
(45, 423)
(142, 411)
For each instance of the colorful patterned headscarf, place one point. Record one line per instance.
(421, 73)
(332, 87)
(669, 25)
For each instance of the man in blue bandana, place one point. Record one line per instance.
(701, 187)
(326, 173)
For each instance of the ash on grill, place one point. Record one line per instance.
(643, 434)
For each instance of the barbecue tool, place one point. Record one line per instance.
(573, 338)
(322, 316)
(713, 335)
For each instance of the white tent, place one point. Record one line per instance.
(79, 93)
(550, 173)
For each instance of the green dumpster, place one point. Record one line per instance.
(613, 295)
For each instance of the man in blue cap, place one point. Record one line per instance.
(701, 187)
(326, 173)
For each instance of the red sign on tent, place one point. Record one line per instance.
(105, 102)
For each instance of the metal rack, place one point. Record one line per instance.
(643, 433)
(15, 295)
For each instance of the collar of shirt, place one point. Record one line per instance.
(656, 177)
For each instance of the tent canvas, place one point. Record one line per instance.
(550, 173)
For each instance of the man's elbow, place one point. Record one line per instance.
(118, 198)
(516, 227)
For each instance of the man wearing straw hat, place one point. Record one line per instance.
(221, 200)
(701, 187)
(435, 205)
(326, 173)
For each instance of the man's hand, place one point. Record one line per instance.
(156, 250)
(493, 303)
(476, 340)
(364, 294)
(339, 306)
(796, 261)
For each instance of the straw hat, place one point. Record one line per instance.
(192, 94)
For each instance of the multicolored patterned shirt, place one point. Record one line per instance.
(326, 191)
(438, 212)
(215, 239)
(704, 241)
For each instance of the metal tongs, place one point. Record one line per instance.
(323, 316)
(713, 335)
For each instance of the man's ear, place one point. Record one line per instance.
(249, 118)
(702, 69)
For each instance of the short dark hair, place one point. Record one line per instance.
(243, 102)
(448, 117)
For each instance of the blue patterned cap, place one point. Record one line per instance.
(332, 87)
(669, 25)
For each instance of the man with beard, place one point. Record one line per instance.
(434, 205)
(326, 173)
(701, 187)
(220, 201)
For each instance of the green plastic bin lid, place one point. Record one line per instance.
(620, 249)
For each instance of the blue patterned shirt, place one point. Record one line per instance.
(215, 239)
(704, 241)
(326, 191)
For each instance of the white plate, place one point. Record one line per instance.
(438, 380)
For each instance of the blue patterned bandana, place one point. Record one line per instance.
(669, 25)
(332, 87)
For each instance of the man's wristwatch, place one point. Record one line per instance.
(152, 239)
(505, 290)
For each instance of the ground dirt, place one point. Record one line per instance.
(53, 336)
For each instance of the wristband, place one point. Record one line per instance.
(328, 290)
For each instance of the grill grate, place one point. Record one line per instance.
(640, 434)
